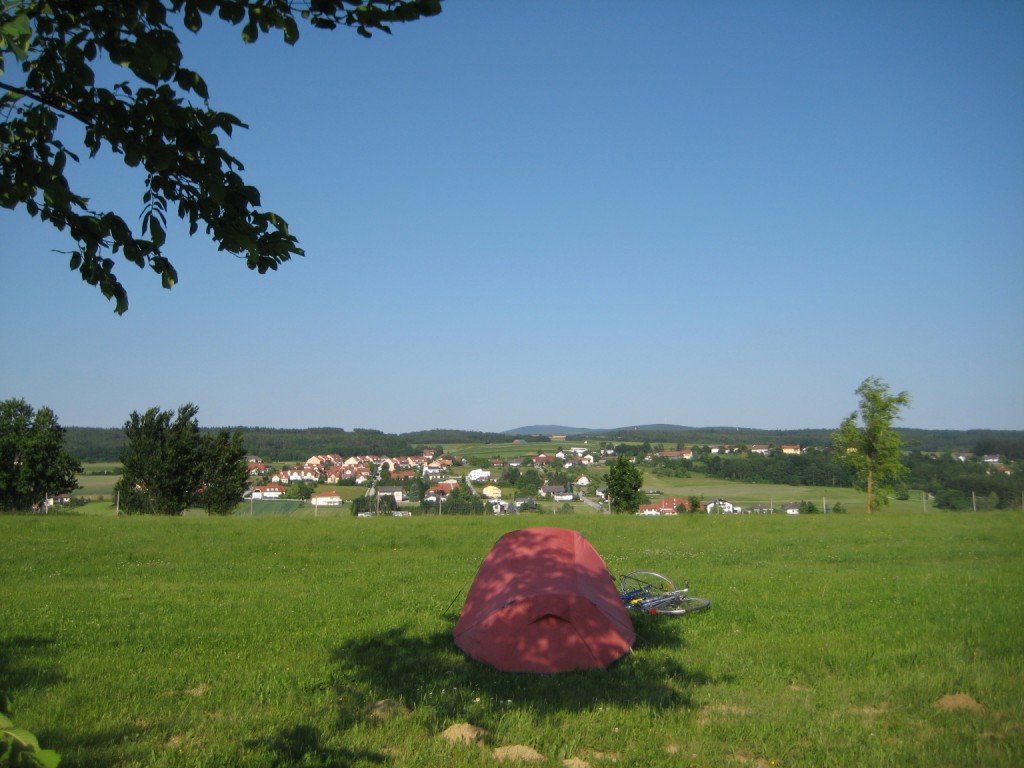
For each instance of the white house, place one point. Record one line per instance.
(395, 491)
(325, 499)
(722, 506)
(272, 491)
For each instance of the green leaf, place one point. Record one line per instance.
(193, 19)
(291, 31)
(23, 737)
(19, 27)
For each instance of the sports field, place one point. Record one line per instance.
(847, 640)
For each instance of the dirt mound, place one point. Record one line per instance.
(518, 753)
(954, 702)
(385, 709)
(465, 733)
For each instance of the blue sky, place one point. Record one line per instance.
(584, 213)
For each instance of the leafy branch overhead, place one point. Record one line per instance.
(160, 120)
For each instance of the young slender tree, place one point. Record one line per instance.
(867, 443)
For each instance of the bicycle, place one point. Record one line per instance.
(651, 593)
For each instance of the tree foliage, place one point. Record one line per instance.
(815, 467)
(624, 481)
(170, 465)
(867, 442)
(375, 505)
(159, 120)
(461, 501)
(225, 472)
(959, 484)
(33, 460)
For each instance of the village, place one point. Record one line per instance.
(429, 479)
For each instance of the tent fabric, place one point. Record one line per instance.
(543, 601)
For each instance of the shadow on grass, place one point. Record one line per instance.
(24, 663)
(420, 670)
(304, 745)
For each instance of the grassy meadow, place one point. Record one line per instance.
(848, 640)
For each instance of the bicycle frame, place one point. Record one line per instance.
(651, 593)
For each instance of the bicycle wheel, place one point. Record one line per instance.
(637, 585)
(680, 605)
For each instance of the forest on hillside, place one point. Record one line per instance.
(92, 444)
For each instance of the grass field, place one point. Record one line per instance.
(845, 640)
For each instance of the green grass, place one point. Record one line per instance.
(266, 641)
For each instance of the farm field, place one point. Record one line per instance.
(848, 640)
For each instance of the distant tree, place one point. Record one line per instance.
(624, 481)
(374, 505)
(299, 491)
(417, 487)
(157, 118)
(170, 465)
(558, 477)
(867, 443)
(952, 498)
(162, 462)
(225, 472)
(528, 483)
(33, 461)
(463, 502)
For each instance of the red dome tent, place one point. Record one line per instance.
(543, 601)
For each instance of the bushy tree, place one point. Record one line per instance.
(33, 461)
(374, 505)
(169, 465)
(225, 473)
(461, 501)
(158, 118)
(867, 443)
(624, 482)
(528, 483)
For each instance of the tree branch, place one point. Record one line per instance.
(37, 97)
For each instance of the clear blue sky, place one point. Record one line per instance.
(591, 213)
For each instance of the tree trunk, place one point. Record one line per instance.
(870, 497)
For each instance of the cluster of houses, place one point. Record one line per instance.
(993, 460)
(715, 450)
(672, 506)
(333, 469)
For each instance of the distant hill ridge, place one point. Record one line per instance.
(554, 429)
(92, 444)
